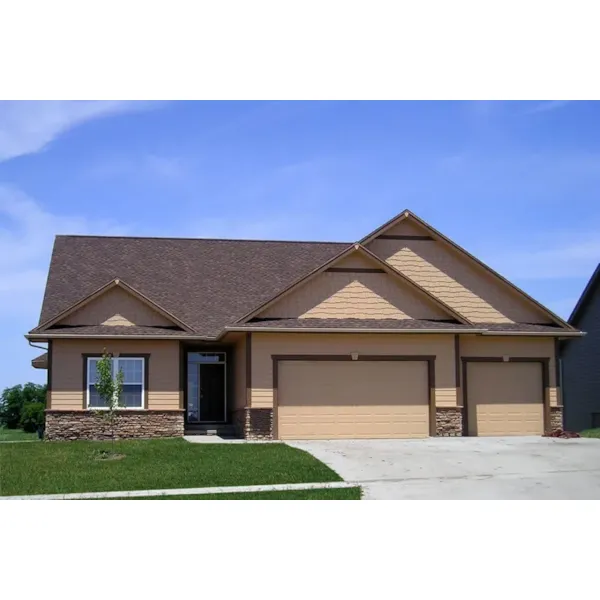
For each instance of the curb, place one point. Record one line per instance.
(282, 487)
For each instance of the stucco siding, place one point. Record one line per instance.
(493, 346)
(267, 344)
(355, 295)
(116, 307)
(68, 390)
(239, 385)
(581, 369)
(462, 284)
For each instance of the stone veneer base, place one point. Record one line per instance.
(90, 425)
(449, 421)
(254, 423)
(556, 418)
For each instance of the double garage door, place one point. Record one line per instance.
(353, 399)
(390, 399)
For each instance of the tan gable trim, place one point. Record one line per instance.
(357, 249)
(436, 235)
(100, 291)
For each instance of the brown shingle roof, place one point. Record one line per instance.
(400, 324)
(111, 330)
(208, 284)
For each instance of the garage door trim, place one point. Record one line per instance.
(544, 361)
(277, 358)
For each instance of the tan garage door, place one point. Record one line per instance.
(505, 398)
(330, 399)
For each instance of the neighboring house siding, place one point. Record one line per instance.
(581, 368)
(355, 295)
(463, 285)
(493, 346)
(116, 307)
(264, 345)
(68, 391)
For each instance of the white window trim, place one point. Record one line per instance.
(118, 358)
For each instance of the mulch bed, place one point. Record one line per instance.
(560, 433)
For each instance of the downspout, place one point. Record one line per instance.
(39, 347)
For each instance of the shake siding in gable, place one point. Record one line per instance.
(68, 392)
(454, 279)
(265, 345)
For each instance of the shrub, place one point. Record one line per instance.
(32, 416)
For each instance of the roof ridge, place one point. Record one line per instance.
(158, 237)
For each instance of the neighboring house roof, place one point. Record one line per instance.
(585, 298)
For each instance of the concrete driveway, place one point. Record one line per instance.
(508, 468)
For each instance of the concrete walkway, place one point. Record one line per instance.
(466, 468)
(283, 487)
(217, 439)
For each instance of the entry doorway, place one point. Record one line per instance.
(206, 387)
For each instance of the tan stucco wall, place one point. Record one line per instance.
(464, 285)
(514, 347)
(113, 302)
(68, 390)
(239, 385)
(356, 296)
(266, 344)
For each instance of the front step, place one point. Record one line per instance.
(225, 430)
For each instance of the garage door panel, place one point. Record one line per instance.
(505, 399)
(327, 399)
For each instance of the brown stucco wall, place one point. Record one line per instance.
(68, 390)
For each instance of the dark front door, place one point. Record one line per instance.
(206, 398)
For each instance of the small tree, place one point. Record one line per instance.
(109, 388)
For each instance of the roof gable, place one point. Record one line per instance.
(453, 274)
(101, 306)
(354, 284)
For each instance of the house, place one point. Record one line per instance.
(403, 334)
(581, 362)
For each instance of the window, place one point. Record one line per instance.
(133, 382)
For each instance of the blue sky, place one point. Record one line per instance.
(516, 183)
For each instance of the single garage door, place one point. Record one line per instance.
(505, 398)
(354, 399)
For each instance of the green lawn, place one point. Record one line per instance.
(591, 433)
(16, 435)
(64, 467)
(335, 494)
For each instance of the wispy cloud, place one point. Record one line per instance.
(27, 232)
(547, 106)
(28, 127)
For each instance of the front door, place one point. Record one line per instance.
(206, 398)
